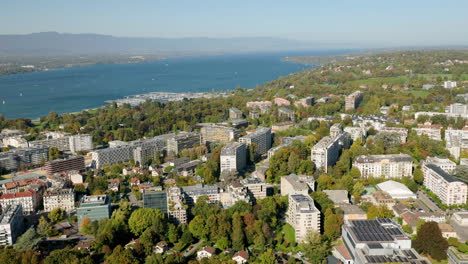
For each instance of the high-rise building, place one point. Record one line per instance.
(59, 198)
(297, 184)
(302, 216)
(177, 210)
(449, 189)
(387, 166)
(261, 137)
(444, 163)
(94, 207)
(11, 224)
(215, 133)
(61, 143)
(82, 142)
(11, 160)
(456, 141)
(376, 241)
(327, 151)
(353, 100)
(76, 163)
(233, 157)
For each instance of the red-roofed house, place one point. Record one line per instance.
(15, 186)
(280, 101)
(342, 253)
(134, 181)
(28, 199)
(241, 257)
(205, 252)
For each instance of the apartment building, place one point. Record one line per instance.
(387, 166)
(11, 224)
(181, 141)
(192, 193)
(432, 131)
(28, 199)
(456, 141)
(216, 133)
(401, 132)
(81, 142)
(286, 112)
(235, 113)
(297, 184)
(261, 137)
(449, 189)
(13, 159)
(327, 151)
(443, 163)
(259, 104)
(356, 133)
(302, 216)
(177, 210)
(457, 108)
(281, 101)
(76, 163)
(59, 198)
(233, 157)
(353, 100)
(61, 143)
(257, 188)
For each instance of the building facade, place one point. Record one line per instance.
(59, 198)
(297, 184)
(94, 207)
(235, 113)
(11, 224)
(233, 157)
(261, 137)
(155, 198)
(181, 141)
(76, 163)
(449, 189)
(215, 133)
(327, 151)
(353, 100)
(302, 216)
(27, 199)
(82, 142)
(387, 166)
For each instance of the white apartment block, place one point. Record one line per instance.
(192, 193)
(449, 189)
(434, 132)
(356, 132)
(327, 151)
(400, 131)
(387, 166)
(450, 84)
(64, 199)
(447, 115)
(11, 224)
(456, 141)
(256, 187)
(261, 137)
(443, 163)
(15, 141)
(302, 215)
(297, 184)
(61, 143)
(27, 199)
(233, 157)
(457, 108)
(81, 142)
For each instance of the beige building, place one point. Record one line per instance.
(215, 133)
(302, 215)
(387, 166)
(449, 189)
(64, 199)
(297, 184)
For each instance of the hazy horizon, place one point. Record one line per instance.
(366, 23)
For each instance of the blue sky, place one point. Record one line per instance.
(395, 22)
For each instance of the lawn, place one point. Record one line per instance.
(289, 233)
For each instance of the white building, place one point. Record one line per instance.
(356, 133)
(192, 193)
(11, 224)
(432, 131)
(233, 157)
(261, 137)
(450, 84)
(302, 215)
(449, 189)
(457, 108)
(388, 166)
(28, 199)
(396, 190)
(327, 151)
(257, 188)
(456, 141)
(444, 163)
(297, 184)
(205, 252)
(64, 199)
(400, 131)
(82, 142)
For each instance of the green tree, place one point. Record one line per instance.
(46, 228)
(332, 226)
(30, 239)
(66, 255)
(143, 218)
(379, 212)
(199, 228)
(418, 176)
(429, 240)
(408, 229)
(314, 247)
(121, 255)
(238, 236)
(56, 215)
(86, 226)
(267, 257)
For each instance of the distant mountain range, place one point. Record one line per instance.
(53, 43)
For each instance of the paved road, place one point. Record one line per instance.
(428, 202)
(194, 247)
(462, 231)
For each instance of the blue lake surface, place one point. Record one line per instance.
(33, 95)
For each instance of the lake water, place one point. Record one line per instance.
(32, 95)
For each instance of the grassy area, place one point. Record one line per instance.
(433, 261)
(289, 233)
(421, 94)
(401, 80)
(463, 76)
